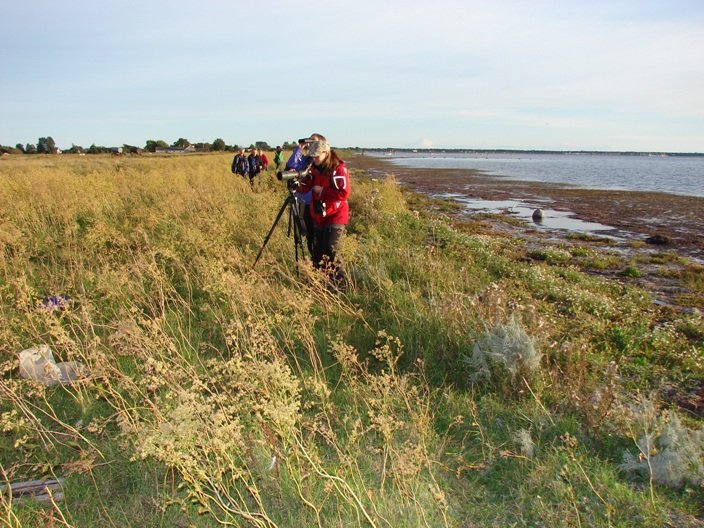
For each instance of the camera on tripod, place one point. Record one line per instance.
(292, 178)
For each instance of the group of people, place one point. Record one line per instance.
(248, 166)
(323, 186)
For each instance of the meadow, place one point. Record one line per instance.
(462, 380)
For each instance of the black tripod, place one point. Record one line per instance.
(294, 220)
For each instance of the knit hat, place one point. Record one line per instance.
(317, 148)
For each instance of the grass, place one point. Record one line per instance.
(631, 271)
(588, 237)
(219, 394)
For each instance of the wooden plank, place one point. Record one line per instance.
(44, 497)
(35, 489)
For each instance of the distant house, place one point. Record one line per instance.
(116, 151)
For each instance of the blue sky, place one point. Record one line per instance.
(597, 75)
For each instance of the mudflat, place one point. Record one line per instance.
(672, 221)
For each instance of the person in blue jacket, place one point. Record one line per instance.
(240, 164)
(300, 162)
(255, 165)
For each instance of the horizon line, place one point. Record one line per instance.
(552, 151)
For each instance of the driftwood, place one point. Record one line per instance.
(36, 489)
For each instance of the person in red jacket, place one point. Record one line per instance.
(329, 182)
(264, 159)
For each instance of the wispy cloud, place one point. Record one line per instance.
(457, 71)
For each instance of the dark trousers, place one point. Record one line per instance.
(325, 251)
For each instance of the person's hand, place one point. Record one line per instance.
(318, 189)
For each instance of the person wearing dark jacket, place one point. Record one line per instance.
(240, 164)
(255, 165)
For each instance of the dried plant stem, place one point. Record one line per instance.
(305, 501)
(338, 482)
(537, 400)
(58, 511)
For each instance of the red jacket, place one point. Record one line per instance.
(336, 189)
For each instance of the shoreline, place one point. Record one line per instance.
(676, 221)
(385, 150)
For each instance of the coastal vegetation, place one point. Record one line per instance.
(463, 379)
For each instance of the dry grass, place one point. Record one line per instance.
(219, 394)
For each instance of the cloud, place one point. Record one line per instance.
(525, 118)
(459, 71)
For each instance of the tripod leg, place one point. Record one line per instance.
(297, 228)
(292, 224)
(295, 245)
(268, 236)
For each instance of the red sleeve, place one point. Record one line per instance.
(339, 188)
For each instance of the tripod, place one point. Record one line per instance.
(294, 219)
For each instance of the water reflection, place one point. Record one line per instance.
(550, 218)
(683, 175)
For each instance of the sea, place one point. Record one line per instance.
(675, 174)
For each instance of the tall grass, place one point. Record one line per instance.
(220, 394)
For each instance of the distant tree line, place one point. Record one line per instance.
(47, 145)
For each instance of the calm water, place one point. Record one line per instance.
(668, 174)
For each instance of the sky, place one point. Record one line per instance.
(505, 74)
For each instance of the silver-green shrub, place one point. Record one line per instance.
(506, 356)
(669, 452)
(524, 442)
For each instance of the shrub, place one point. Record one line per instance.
(524, 442)
(550, 255)
(631, 271)
(505, 357)
(669, 453)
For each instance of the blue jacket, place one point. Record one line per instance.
(240, 165)
(255, 165)
(298, 161)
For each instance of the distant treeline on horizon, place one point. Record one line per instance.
(47, 145)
